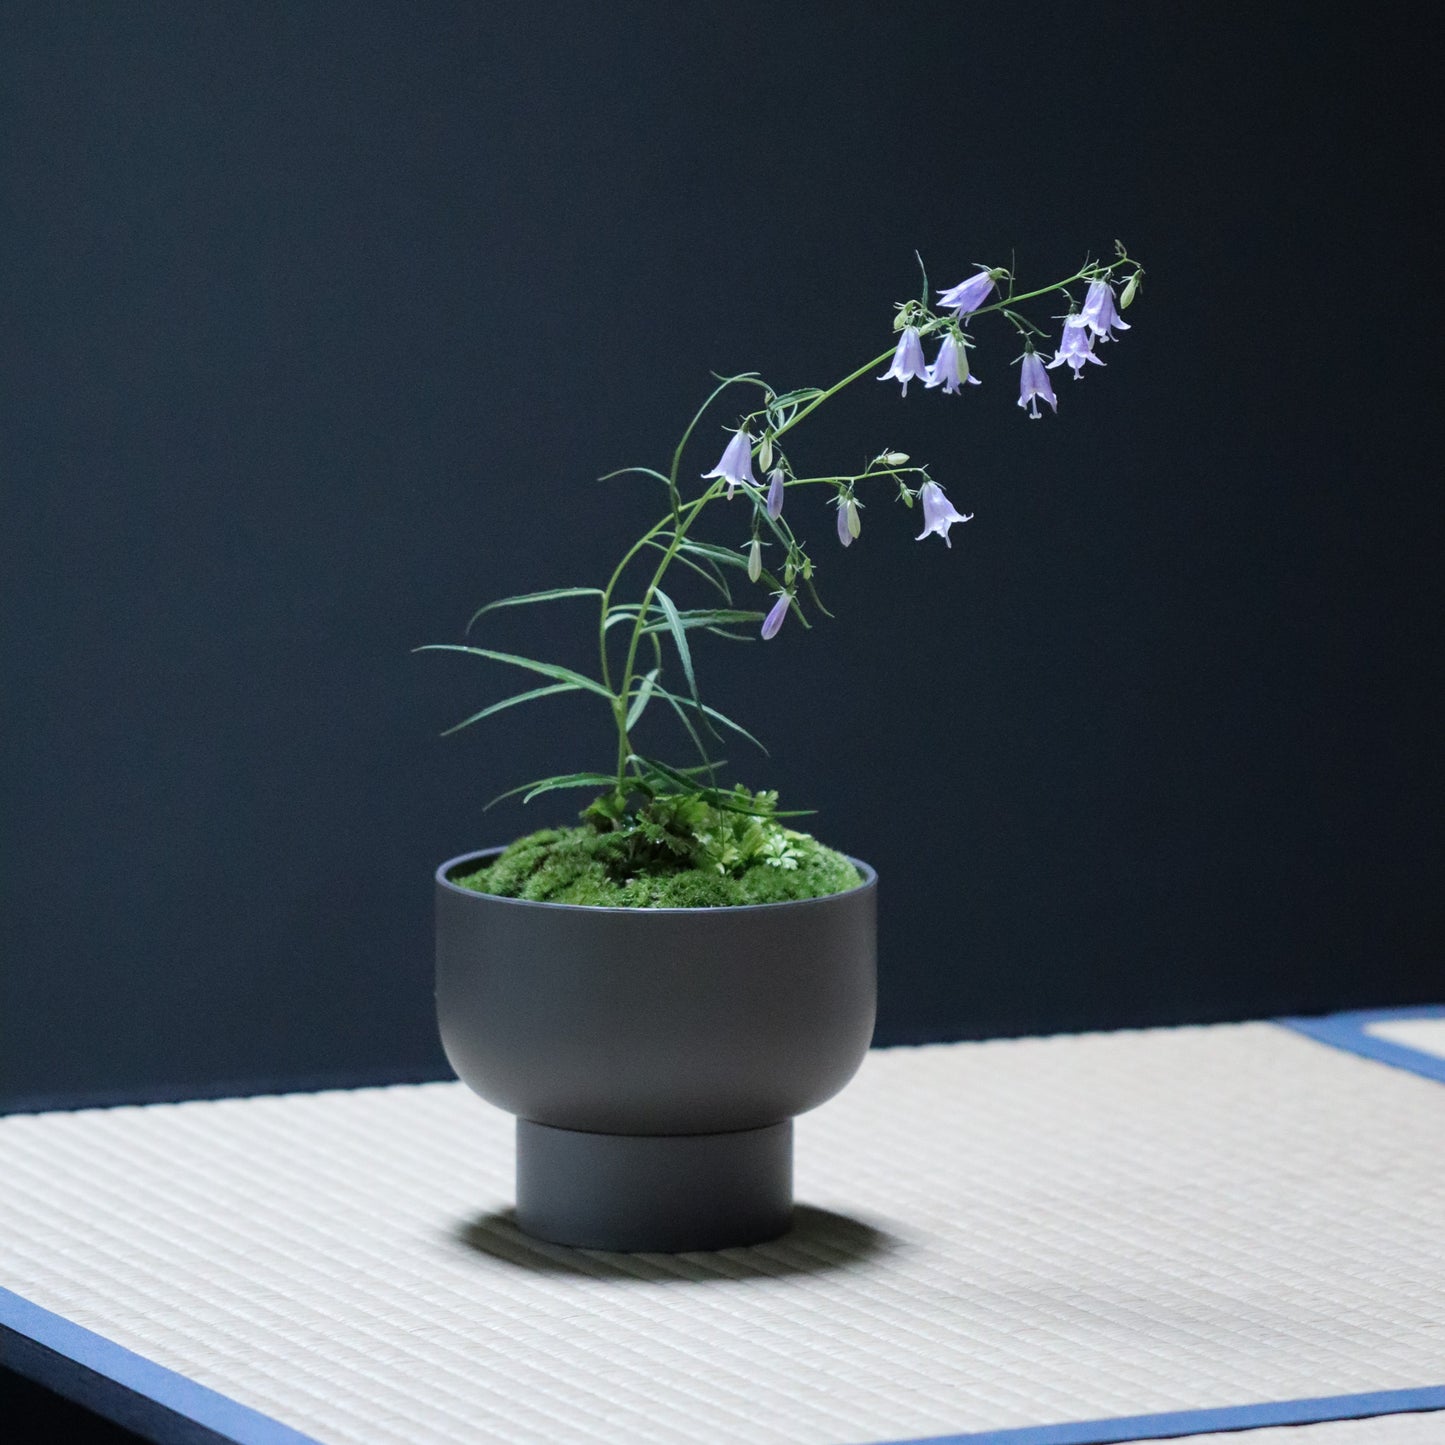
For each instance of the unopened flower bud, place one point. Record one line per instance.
(895, 459)
(1131, 290)
(789, 572)
(765, 453)
(807, 569)
(775, 493)
(774, 620)
(755, 560)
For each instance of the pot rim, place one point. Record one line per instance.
(870, 880)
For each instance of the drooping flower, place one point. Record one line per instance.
(938, 512)
(950, 369)
(845, 532)
(1033, 384)
(1099, 312)
(908, 360)
(774, 620)
(775, 493)
(968, 295)
(736, 465)
(1076, 346)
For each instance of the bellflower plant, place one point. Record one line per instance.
(654, 821)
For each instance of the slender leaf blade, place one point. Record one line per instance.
(712, 712)
(525, 599)
(547, 669)
(640, 471)
(708, 765)
(715, 577)
(560, 780)
(639, 703)
(679, 637)
(507, 702)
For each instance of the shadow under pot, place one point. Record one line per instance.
(654, 1058)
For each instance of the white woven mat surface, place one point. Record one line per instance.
(1426, 1035)
(997, 1234)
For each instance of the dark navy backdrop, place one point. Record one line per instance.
(319, 321)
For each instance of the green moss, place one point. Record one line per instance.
(581, 865)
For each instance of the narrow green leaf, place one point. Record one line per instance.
(708, 765)
(731, 559)
(529, 597)
(704, 617)
(713, 576)
(639, 703)
(562, 780)
(547, 669)
(651, 768)
(512, 702)
(640, 471)
(712, 712)
(718, 797)
(794, 398)
(714, 554)
(679, 637)
(817, 601)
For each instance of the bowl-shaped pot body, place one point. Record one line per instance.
(654, 1021)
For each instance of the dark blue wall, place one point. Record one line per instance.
(320, 320)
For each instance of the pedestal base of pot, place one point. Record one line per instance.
(666, 1193)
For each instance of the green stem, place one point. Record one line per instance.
(679, 531)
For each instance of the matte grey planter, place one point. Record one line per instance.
(654, 1058)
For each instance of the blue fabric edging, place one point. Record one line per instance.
(1347, 1031)
(1176, 1423)
(72, 1360)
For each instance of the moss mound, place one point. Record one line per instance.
(581, 865)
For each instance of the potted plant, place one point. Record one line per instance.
(657, 991)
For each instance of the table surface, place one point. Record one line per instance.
(1194, 1223)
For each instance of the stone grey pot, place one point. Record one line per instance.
(654, 1057)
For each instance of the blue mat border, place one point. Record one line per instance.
(1174, 1424)
(125, 1387)
(173, 1410)
(1347, 1031)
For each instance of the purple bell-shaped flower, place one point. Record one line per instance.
(968, 295)
(1099, 312)
(736, 466)
(1076, 347)
(938, 512)
(908, 361)
(950, 368)
(1033, 384)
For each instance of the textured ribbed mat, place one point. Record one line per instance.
(993, 1235)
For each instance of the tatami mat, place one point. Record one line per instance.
(992, 1235)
